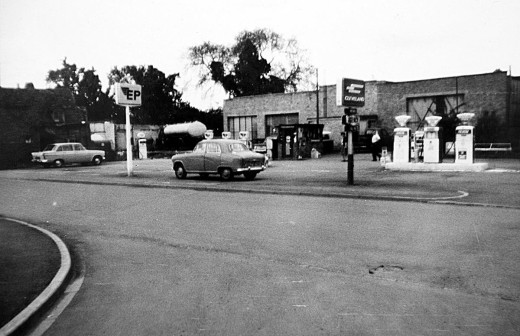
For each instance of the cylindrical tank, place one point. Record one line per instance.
(194, 129)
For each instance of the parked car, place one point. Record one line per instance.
(363, 142)
(219, 156)
(60, 154)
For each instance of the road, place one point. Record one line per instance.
(185, 262)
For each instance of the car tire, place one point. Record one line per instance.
(180, 172)
(226, 174)
(96, 161)
(58, 163)
(250, 176)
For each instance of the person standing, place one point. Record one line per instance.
(376, 146)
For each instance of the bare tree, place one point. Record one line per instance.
(280, 60)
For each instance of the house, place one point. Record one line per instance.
(32, 118)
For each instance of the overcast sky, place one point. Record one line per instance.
(390, 40)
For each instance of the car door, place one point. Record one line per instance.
(66, 153)
(194, 161)
(212, 158)
(80, 154)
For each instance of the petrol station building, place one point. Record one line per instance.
(495, 93)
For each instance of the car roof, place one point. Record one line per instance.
(223, 140)
(66, 143)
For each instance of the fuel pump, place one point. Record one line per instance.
(418, 145)
(143, 150)
(208, 134)
(464, 139)
(226, 135)
(402, 140)
(432, 143)
(244, 137)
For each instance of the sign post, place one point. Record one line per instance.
(128, 95)
(350, 93)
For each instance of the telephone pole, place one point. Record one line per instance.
(317, 99)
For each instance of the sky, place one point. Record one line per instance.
(392, 40)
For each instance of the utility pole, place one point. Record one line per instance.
(317, 99)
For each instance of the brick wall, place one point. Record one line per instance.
(486, 92)
(303, 103)
(386, 100)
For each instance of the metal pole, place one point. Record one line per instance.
(317, 99)
(456, 95)
(350, 157)
(129, 165)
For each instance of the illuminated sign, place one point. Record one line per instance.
(350, 92)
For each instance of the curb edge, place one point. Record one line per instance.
(54, 286)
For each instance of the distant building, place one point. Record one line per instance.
(494, 93)
(31, 119)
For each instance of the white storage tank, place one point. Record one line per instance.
(194, 129)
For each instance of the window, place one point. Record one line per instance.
(272, 121)
(237, 124)
(200, 148)
(213, 148)
(420, 107)
(58, 117)
(78, 147)
(65, 148)
(237, 147)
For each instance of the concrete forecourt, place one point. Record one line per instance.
(291, 270)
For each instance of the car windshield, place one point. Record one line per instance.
(237, 147)
(49, 147)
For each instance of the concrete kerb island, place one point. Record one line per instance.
(413, 166)
(23, 318)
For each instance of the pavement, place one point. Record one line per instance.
(35, 265)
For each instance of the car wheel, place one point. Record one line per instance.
(250, 176)
(180, 172)
(58, 163)
(226, 174)
(96, 161)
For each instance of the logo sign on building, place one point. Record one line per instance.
(350, 92)
(128, 94)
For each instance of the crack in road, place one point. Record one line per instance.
(378, 273)
(209, 249)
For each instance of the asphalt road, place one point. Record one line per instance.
(164, 261)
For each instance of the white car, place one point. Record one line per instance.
(60, 154)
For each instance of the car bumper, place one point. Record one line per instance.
(38, 160)
(250, 169)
